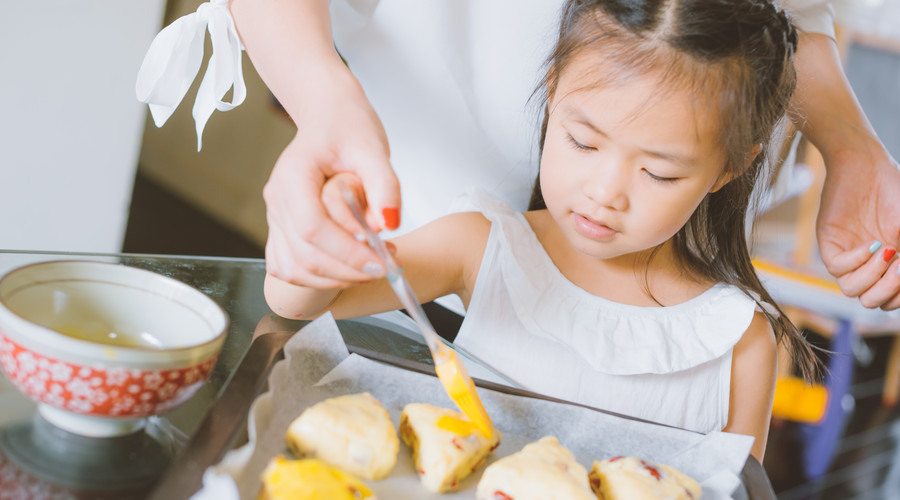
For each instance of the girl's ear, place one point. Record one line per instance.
(730, 174)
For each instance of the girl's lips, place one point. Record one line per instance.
(593, 230)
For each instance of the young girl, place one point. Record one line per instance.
(629, 287)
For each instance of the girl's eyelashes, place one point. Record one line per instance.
(577, 145)
(583, 148)
(660, 179)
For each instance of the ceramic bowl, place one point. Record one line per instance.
(101, 346)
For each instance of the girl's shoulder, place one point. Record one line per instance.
(462, 226)
(454, 232)
(483, 202)
(478, 211)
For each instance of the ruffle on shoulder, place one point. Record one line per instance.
(613, 338)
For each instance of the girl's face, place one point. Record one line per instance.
(624, 167)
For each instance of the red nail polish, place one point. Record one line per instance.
(889, 254)
(391, 218)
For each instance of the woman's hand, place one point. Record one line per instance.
(292, 49)
(294, 301)
(338, 131)
(861, 206)
(861, 196)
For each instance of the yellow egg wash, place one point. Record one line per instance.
(311, 479)
(456, 425)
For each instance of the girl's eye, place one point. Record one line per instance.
(577, 145)
(660, 179)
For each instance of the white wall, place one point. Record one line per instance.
(872, 17)
(70, 126)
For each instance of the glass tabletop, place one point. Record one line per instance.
(34, 454)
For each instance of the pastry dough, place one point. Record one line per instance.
(310, 479)
(444, 454)
(630, 478)
(353, 432)
(543, 470)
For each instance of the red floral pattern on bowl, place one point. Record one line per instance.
(16, 483)
(98, 390)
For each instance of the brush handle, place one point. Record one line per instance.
(410, 302)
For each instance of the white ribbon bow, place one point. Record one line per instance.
(174, 58)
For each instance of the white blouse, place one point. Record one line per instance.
(670, 365)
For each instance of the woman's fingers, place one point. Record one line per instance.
(865, 276)
(841, 262)
(303, 264)
(338, 208)
(885, 290)
(892, 304)
(305, 246)
(382, 190)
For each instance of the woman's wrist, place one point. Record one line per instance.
(851, 146)
(330, 83)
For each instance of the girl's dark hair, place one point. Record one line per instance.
(736, 57)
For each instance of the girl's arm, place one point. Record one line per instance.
(753, 368)
(439, 258)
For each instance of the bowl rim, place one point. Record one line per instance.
(49, 334)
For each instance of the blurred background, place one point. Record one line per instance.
(84, 169)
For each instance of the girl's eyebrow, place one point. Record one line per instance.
(684, 160)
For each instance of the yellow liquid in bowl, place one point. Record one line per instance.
(99, 332)
(104, 314)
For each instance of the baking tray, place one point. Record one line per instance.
(224, 425)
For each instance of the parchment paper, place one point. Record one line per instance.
(317, 366)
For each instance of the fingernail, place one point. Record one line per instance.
(391, 218)
(360, 237)
(874, 246)
(373, 269)
(889, 254)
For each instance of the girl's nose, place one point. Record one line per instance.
(609, 186)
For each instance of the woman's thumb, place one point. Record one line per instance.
(382, 195)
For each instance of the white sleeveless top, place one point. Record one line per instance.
(670, 365)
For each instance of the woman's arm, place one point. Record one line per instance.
(862, 183)
(753, 368)
(440, 258)
(291, 47)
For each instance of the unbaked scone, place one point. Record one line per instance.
(629, 478)
(353, 432)
(543, 470)
(446, 446)
(310, 479)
